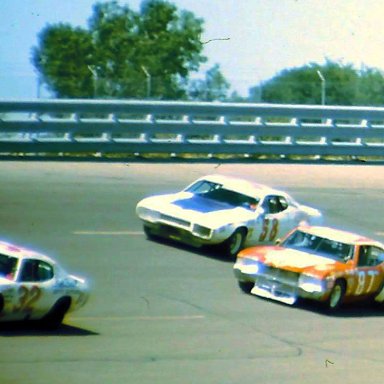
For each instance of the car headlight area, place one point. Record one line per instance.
(201, 231)
(248, 267)
(148, 214)
(312, 284)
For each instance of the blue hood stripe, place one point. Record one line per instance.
(201, 204)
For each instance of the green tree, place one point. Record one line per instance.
(370, 88)
(213, 88)
(344, 85)
(63, 61)
(122, 53)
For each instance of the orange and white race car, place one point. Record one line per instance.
(319, 263)
(34, 287)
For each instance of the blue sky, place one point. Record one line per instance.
(265, 36)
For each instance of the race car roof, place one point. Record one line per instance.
(339, 235)
(21, 252)
(242, 185)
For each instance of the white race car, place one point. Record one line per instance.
(224, 210)
(35, 287)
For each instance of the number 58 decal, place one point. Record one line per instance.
(27, 298)
(270, 230)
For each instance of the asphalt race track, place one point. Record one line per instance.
(164, 313)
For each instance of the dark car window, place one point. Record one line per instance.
(307, 242)
(203, 186)
(35, 270)
(45, 271)
(370, 256)
(283, 202)
(274, 204)
(8, 266)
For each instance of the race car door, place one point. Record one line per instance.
(276, 220)
(367, 278)
(35, 294)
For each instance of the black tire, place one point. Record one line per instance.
(379, 293)
(55, 316)
(336, 297)
(148, 232)
(1, 303)
(234, 243)
(245, 286)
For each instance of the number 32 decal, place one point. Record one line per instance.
(270, 230)
(27, 298)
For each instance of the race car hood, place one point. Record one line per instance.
(197, 209)
(294, 260)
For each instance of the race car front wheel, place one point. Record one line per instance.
(245, 286)
(148, 232)
(56, 315)
(234, 244)
(337, 295)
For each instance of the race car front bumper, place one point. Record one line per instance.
(175, 233)
(278, 284)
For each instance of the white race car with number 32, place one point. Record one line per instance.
(34, 287)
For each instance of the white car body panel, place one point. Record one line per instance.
(183, 211)
(32, 300)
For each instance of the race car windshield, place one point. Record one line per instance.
(8, 266)
(215, 191)
(307, 242)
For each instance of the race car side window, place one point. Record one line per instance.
(274, 204)
(370, 256)
(378, 255)
(8, 266)
(28, 271)
(283, 202)
(45, 271)
(35, 270)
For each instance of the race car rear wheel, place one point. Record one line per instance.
(234, 243)
(337, 295)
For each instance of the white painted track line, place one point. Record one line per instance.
(109, 233)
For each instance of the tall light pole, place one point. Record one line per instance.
(95, 80)
(38, 86)
(323, 82)
(148, 76)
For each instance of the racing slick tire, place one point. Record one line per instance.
(234, 243)
(245, 286)
(147, 232)
(55, 316)
(336, 296)
(377, 300)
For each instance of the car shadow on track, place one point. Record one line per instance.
(205, 251)
(30, 328)
(350, 310)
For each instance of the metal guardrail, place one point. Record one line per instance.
(143, 127)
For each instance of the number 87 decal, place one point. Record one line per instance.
(269, 230)
(364, 277)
